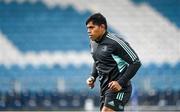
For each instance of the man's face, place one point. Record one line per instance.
(95, 32)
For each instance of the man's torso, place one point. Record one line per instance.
(107, 62)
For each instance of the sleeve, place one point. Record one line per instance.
(93, 46)
(94, 71)
(125, 52)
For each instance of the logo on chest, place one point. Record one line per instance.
(104, 48)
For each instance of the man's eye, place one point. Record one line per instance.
(91, 27)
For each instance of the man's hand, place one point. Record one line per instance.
(90, 82)
(114, 86)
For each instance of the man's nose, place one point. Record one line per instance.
(88, 31)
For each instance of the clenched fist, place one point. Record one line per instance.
(90, 82)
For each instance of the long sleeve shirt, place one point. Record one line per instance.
(114, 60)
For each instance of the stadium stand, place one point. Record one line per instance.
(166, 8)
(34, 33)
(27, 30)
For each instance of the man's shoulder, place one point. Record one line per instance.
(93, 46)
(115, 37)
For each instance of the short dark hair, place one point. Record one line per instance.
(97, 19)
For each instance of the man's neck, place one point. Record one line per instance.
(101, 36)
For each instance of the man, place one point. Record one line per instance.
(115, 63)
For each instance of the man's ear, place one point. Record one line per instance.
(103, 26)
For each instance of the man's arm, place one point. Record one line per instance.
(90, 81)
(94, 71)
(130, 72)
(128, 55)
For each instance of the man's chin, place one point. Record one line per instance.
(92, 39)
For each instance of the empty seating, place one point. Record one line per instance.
(37, 28)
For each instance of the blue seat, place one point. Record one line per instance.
(168, 8)
(34, 31)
